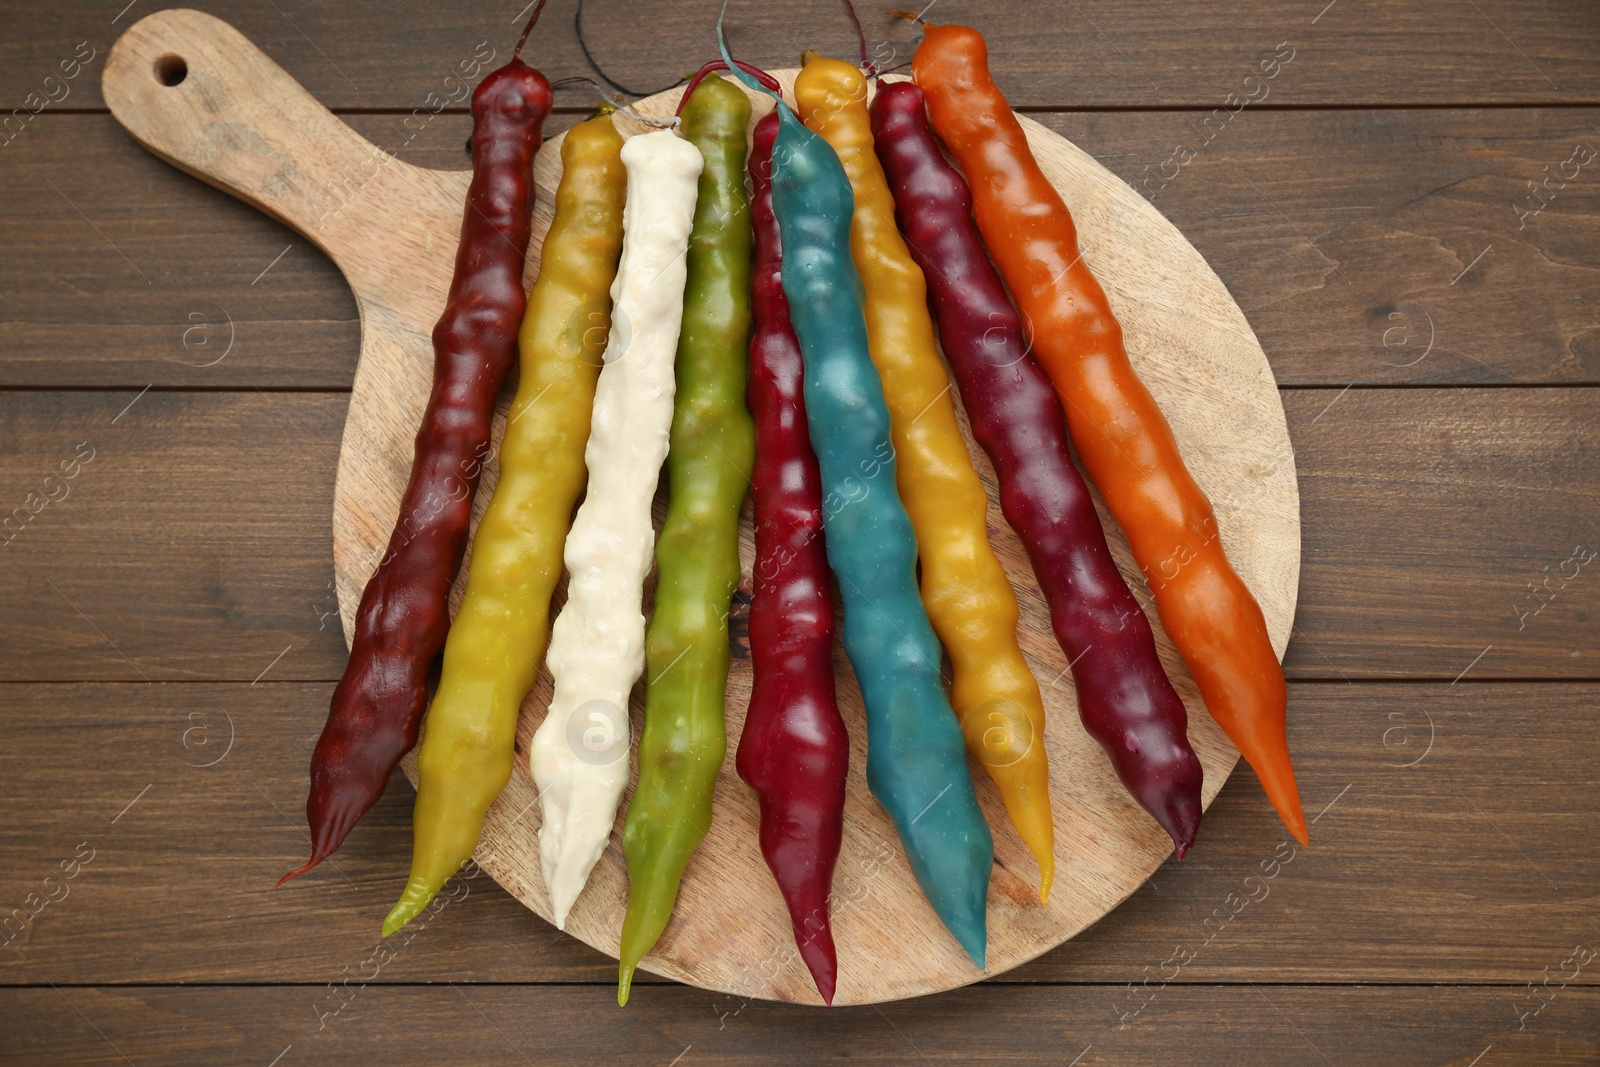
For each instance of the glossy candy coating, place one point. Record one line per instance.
(497, 641)
(916, 765)
(1124, 698)
(400, 626)
(579, 755)
(969, 599)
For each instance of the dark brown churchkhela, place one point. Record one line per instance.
(404, 614)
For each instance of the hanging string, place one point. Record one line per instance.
(909, 17)
(516, 53)
(867, 68)
(720, 64)
(583, 44)
(735, 68)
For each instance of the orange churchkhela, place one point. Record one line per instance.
(1121, 435)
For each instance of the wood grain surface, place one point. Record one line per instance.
(1411, 783)
(1102, 53)
(1427, 513)
(1198, 356)
(1240, 1026)
(1438, 903)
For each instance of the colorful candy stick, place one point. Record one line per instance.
(1124, 698)
(1123, 438)
(966, 591)
(376, 711)
(794, 751)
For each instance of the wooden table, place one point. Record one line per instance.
(174, 371)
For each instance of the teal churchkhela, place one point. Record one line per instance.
(916, 760)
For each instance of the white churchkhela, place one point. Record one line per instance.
(579, 757)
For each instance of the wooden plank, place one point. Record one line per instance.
(1385, 247)
(518, 1025)
(192, 540)
(1090, 53)
(1369, 285)
(1412, 785)
(1447, 532)
(152, 277)
(1417, 506)
(222, 819)
(1450, 843)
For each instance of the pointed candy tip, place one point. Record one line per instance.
(416, 896)
(1047, 874)
(624, 985)
(1276, 776)
(315, 859)
(1288, 808)
(1179, 816)
(398, 918)
(821, 959)
(560, 908)
(975, 941)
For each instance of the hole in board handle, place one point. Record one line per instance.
(171, 70)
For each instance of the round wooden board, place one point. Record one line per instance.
(240, 122)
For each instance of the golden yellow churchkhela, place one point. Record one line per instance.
(498, 639)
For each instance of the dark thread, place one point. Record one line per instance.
(583, 45)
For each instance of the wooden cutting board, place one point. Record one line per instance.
(196, 93)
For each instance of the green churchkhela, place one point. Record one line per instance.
(709, 457)
(916, 762)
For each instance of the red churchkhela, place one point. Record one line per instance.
(794, 751)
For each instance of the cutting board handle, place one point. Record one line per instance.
(193, 90)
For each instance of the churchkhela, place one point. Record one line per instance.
(498, 639)
(708, 470)
(1121, 435)
(965, 590)
(794, 751)
(1124, 698)
(400, 627)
